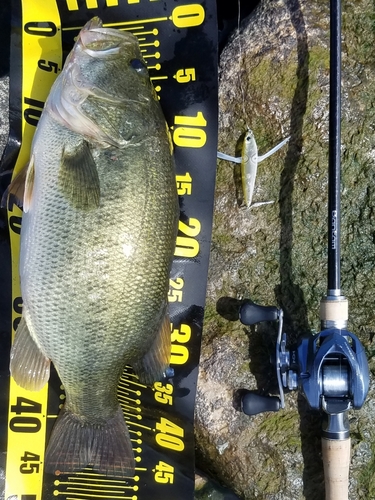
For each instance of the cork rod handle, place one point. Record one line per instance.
(336, 461)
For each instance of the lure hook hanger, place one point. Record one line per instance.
(330, 368)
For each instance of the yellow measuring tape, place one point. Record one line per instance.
(28, 410)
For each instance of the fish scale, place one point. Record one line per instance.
(97, 243)
(116, 288)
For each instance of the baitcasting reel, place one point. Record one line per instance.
(329, 368)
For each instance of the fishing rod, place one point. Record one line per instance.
(329, 368)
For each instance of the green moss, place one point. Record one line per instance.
(283, 428)
(216, 325)
(223, 238)
(265, 78)
(300, 262)
(366, 478)
(210, 313)
(287, 264)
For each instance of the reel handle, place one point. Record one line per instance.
(252, 403)
(336, 462)
(251, 313)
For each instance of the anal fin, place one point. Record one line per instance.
(154, 364)
(28, 365)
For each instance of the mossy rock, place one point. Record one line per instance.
(274, 78)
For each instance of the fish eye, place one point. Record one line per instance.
(138, 65)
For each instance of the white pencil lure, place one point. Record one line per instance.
(249, 160)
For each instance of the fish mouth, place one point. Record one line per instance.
(102, 42)
(71, 90)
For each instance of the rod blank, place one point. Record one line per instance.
(334, 149)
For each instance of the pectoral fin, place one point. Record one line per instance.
(78, 177)
(153, 366)
(29, 185)
(21, 187)
(28, 365)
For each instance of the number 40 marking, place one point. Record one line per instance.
(169, 435)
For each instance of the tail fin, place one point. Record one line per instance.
(76, 444)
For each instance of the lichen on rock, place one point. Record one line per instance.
(274, 78)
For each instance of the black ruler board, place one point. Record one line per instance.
(179, 44)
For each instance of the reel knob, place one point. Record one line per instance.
(252, 403)
(251, 313)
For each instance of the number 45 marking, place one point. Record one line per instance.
(31, 463)
(164, 473)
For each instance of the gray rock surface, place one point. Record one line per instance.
(4, 114)
(274, 78)
(208, 489)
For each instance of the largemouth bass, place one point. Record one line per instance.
(97, 242)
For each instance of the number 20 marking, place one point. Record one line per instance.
(188, 246)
